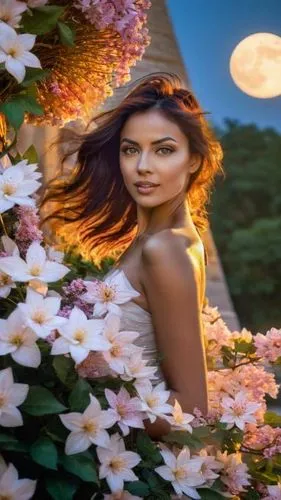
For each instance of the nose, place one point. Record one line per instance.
(143, 164)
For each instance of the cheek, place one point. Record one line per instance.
(174, 174)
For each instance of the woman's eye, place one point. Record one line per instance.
(165, 151)
(129, 150)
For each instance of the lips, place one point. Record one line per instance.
(145, 184)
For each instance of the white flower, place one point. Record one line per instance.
(14, 51)
(180, 420)
(274, 492)
(39, 313)
(14, 187)
(117, 463)
(209, 465)
(29, 170)
(154, 400)
(238, 410)
(10, 12)
(125, 410)
(79, 336)
(55, 255)
(87, 428)
(11, 396)
(36, 266)
(13, 488)
(9, 246)
(6, 282)
(183, 472)
(19, 341)
(135, 368)
(120, 343)
(107, 294)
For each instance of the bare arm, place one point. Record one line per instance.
(171, 285)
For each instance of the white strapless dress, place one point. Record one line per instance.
(135, 318)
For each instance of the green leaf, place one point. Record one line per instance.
(138, 488)
(206, 494)
(30, 104)
(67, 35)
(82, 466)
(60, 489)
(79, 397)
(44, 19)
(272, 418)
(10, 443)
(65, 370)
(40, 401)
(34, 75)
(31, 155)
(14, 113)
(147, 449)
(183, 438)
(44, 452)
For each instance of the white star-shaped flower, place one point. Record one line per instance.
(35, 267)
(11, 396)
(108, 294)
(13, 488)
(15, 51)
(87, 428)
(19, 341)
(15, 188)
(117, 463)
(79, 336)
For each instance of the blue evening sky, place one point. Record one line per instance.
(207, 33)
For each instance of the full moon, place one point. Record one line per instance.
(255, 65)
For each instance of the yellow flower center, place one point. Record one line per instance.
(121, 409)
(238, 409)
(35, 270)
(179, 474)
(17, 340)
(79, 335)
(5, 497)
(152, 401)
(115, 351)
(39, 317)
(2, 400)
(90, 427)
(117, 464)
(5, 279)
(107, 293)
(9, 189)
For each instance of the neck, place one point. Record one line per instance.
(171, 214)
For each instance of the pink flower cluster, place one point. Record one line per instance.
(72, 297)
(235, 473)
(255, 380)
(265, 438)
(126, 17)
(27, 229)
(217, 335)
(268, 346)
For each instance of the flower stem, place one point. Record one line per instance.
(3, 225)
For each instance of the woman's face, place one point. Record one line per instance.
(154, 149)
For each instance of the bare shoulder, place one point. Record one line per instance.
(164, 246)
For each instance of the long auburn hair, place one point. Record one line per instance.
(92, 205)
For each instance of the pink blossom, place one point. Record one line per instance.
(125, 410)
(268, 346)
(27, 228)
(234, 473)
(217, 335)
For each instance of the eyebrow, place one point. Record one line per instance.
(125, 139)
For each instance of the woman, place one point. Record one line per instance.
(142, 181)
